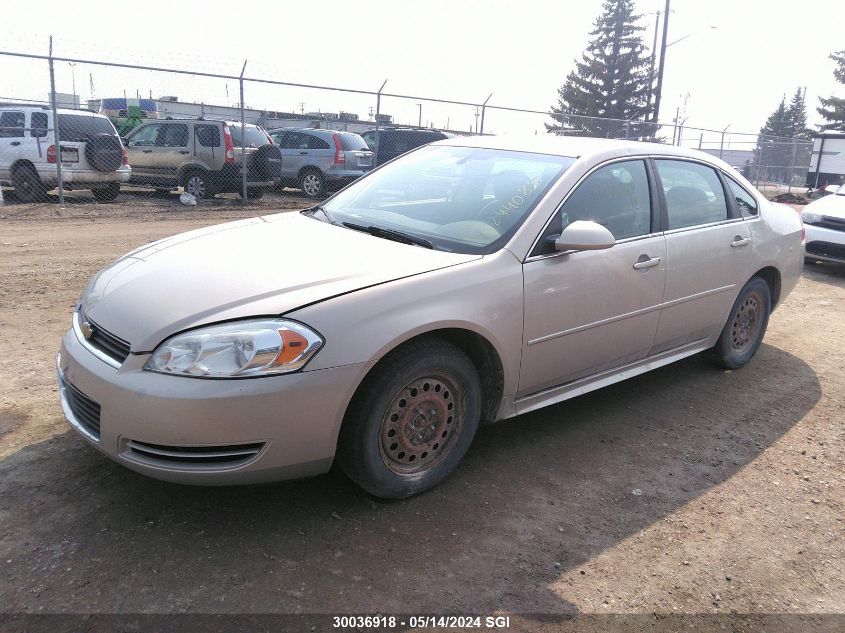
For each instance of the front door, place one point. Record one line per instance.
(590, 311)
(171, 151)
(707, 253)
(140, 145)
(12, 124)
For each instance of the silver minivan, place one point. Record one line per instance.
(318, 161)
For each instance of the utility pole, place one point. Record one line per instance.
(651, 65)
(302, 107)
(73, 76)
(419, 123)
(662, 63)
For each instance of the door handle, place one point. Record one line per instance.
(15, 143)
(184, 151)
(740, 241)
(146, 151)
(303, 153)
(642, 264)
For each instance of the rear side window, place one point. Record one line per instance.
(80, 127)
(745, 202)
(315, 142)
(694, 193)
(173, 135)
(208, 135)
(38, 125)
(11, 124)
(353, 143)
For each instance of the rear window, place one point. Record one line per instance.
(79, 127)
(353, 142)
(255, 136)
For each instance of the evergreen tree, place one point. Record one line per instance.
(771, 156)
(796, 117)
(610, 81)
(833, 108)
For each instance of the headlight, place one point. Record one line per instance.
(810, 218)
(234, 350)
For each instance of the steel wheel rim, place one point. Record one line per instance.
(422, 424)
(196, 186)
(747, 321)
(311, 184)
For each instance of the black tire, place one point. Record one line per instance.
(107, 193)
(438, 389)
(104, 152)
(746, 326)
(28, 185)
(312, 183)
(197, 183)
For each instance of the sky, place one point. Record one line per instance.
(520, 51)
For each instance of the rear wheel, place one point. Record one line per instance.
(107, 193)
(312, 183)
(28, 185)
(746, 326)
(198, 185)
(412, 421)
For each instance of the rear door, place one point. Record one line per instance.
(208, 148)
(320, 153)
(708, 253)
(35, 142)
(356, 151)
(294, 149)
(140, 145)
(12, 123)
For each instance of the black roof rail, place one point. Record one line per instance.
(22, 104)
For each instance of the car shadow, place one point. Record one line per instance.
(825, 272)
(537, 496)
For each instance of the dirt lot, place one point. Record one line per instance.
(685, 490)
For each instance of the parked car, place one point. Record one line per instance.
(393, 142)
(318, 161)
(472, 279)
(824, 223)
(203, 156)
(92, 154)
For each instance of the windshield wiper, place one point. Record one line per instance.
(324, 211)
(390, 234)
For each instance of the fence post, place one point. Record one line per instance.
(483, 109)
(378, 112)
(56, 126)
(243, 138)
(792, 166)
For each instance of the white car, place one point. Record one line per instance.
(92, 155)
(824, 222)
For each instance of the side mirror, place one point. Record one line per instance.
(584, 235)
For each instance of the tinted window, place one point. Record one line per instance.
(208, 135)
(255, 136)
(315, 142)
(38, 125)
(173, 135)
(79, 127)
(353, 142)
(616, 196)
(745, 202)
(11, 124)
(144, 136)
(694, 193)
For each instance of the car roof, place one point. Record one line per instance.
(578, 146)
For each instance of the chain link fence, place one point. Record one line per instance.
(192, 130)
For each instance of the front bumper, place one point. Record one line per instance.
(825, 244)
(208, 432)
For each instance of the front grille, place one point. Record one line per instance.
(193, 456)
(826, 249)
(106, 342)
(85, 411)
(828, 222)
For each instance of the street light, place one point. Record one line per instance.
(73, 77)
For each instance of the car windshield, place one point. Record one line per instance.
(461, 199)
(255, 136)
(81, 127)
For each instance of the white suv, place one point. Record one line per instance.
(92, 154)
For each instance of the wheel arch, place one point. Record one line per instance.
(309, 168)
(21, 162)
(772, 277)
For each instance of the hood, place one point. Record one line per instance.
(832, 205)
(257, 267)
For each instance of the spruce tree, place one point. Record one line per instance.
(833, 108)
(796, 117)
(610, 81)
(773, 146)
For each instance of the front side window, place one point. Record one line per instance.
(461, 199)
(173, 135)
(694, 193)
(145, 136)
(11, 124)
(745, 202)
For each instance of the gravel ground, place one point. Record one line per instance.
(686, 490)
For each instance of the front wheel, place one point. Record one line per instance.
(746, 326)
(412, 421)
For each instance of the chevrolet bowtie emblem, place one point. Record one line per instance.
(86, 328)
